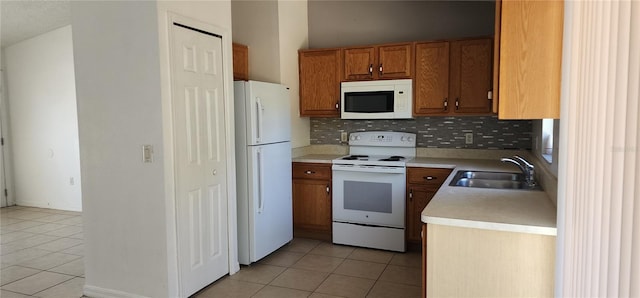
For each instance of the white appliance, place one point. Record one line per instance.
(263, 165)
(380, 99)
(369, 190)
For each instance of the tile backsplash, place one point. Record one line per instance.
(435, 132)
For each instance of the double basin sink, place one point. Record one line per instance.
(497, 180)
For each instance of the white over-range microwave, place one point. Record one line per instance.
(381, 99)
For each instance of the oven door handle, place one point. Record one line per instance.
(368, 169)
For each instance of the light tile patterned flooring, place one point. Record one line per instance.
(310, 268)
(41, 255)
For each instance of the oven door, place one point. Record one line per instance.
(369, 195)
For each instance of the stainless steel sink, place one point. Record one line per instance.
(491, 175)
(497, 180)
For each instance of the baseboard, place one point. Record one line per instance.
(97, 292)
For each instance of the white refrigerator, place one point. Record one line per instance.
(263, 162)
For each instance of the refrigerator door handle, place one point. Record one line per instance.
(260, 175)
(259, 108)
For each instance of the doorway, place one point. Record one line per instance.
(200, 157)
(4, 198)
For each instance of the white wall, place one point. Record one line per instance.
(294, 35)
(43, 121)
(255, 24)
(274, 31)
(118, 90)
(122, 81)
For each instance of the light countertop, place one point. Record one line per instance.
(494, 209)
(525, 211)
(317, 158)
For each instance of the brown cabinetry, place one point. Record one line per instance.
(320, 82)
(422, 184)
(453, 77)
(312, 200)
(378, 62)
(240, 62)
(528, 59)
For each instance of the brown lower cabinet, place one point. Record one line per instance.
(312, 200)
(422, 185)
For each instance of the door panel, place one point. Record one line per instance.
(201, 194)
(271, 223)
(369, 198)
(268, 113)
(432, 78)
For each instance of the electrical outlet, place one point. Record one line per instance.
(344, 136)
(468, 138)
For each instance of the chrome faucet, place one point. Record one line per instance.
(526, 167)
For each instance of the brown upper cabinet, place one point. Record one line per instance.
(528, 59)
(393, 61)
(320, 82)
(453, 78)
(240, 62)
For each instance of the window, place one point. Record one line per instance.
(546, 146)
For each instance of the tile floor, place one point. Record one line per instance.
(41, 255)
(311, 268)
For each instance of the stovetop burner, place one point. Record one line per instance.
(379, 148)
(355, 157)
(393, 158)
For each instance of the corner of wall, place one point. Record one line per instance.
(293, 35)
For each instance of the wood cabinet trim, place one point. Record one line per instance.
(240, 62)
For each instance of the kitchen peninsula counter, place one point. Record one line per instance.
(524, 211)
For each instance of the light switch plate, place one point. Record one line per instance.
(147, 153)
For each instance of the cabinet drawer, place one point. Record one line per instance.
(303, 170)
(427, 176)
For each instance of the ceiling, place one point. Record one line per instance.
(23, 19)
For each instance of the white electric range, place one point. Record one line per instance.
(369, 190)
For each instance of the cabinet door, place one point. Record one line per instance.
(319, 82)
(312, 204)
(471, 76)
(530, 58)
(432, 78)
(240, 62)
(359, 63)
(417, 200)
(394, 61)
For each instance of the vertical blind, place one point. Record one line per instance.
(599, 170)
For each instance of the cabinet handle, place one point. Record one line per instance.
(380, 68)
(429, 178)
(328, 190)
(309, 172)
(446, 103)
(457, 103)
(371, 69)
(337, 105)
(411, 195)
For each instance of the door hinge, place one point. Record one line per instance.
(6, 192)
(1, 141)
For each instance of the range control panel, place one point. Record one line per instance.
(382, 139)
